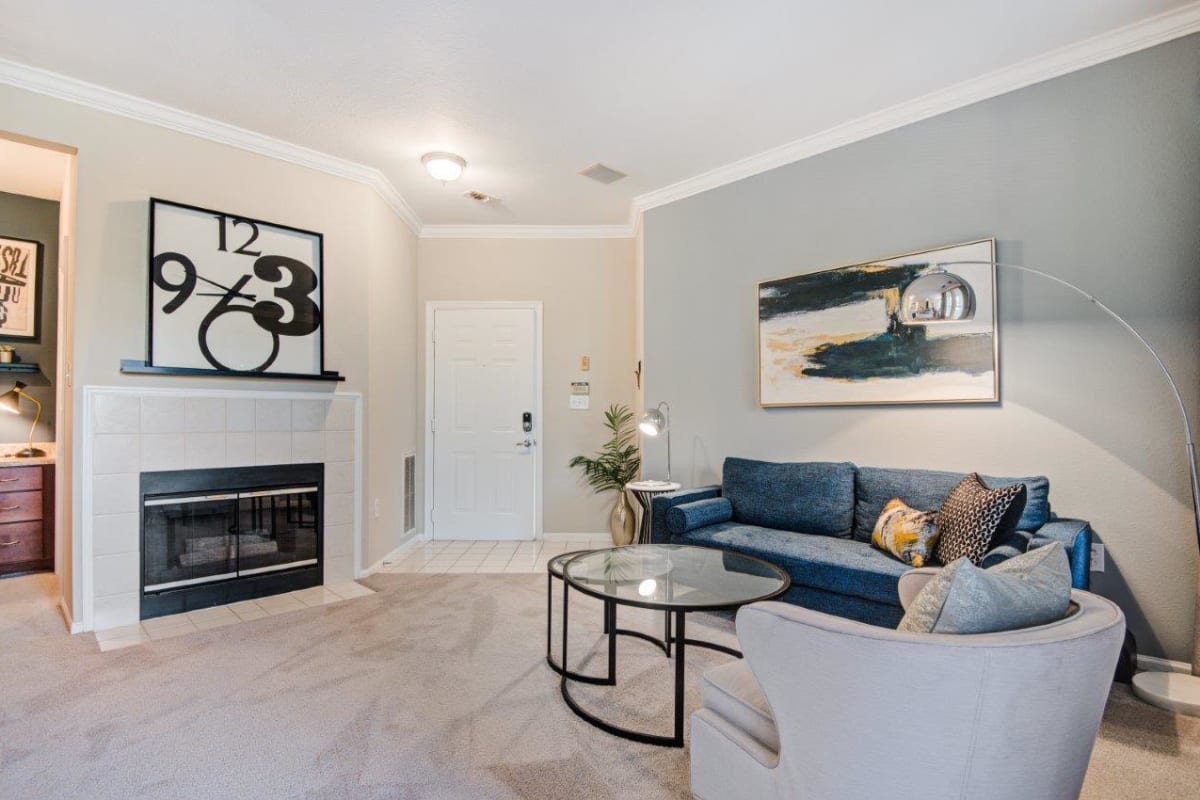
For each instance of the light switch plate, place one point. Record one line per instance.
(580, 402)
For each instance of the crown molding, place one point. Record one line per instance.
(1153, 31)
(527, 232)
(87, 94)
(1149, 32)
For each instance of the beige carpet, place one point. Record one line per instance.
(433, 688)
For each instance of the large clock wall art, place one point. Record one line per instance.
(232, 295)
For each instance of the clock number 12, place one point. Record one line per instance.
(222, 225)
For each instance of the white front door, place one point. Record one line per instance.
(484, 464)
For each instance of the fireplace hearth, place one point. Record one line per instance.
(216, 536)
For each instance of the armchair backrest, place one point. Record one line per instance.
(864, 711)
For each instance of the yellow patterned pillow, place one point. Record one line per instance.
(906, 533)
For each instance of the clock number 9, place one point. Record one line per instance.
(183, 288)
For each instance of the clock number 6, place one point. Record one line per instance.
(225, 306)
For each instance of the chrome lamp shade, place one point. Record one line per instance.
(656, 421)
(936, 297)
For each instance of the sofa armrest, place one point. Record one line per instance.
(1014, 544)
(661, 504)
(698, 514)
(1076, 537)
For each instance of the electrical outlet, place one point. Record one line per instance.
(1097, 557)
(378, 508)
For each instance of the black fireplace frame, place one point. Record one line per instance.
(243, 587)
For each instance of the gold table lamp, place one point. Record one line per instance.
(10, 401)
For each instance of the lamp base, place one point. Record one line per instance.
(30, 452)
(1174, 691)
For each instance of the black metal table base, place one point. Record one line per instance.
(678, 638)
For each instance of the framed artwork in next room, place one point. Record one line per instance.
(834, 337)
(20, 288)
(233, 295)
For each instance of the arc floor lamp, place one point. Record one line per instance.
(940, 297)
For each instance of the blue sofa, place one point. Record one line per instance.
(815, 519)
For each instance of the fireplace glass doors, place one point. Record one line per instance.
(226, 543)
(205, 538)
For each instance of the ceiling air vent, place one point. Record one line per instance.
(601, 173)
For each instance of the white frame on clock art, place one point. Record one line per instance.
(149, 366)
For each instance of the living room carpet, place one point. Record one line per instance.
(433, 688)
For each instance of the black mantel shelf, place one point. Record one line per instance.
(133, 366)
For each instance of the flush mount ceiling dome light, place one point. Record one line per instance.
(443, 167)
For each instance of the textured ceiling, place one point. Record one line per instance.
(531, 91)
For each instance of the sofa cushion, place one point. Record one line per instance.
(810, 497)
(731, 691)
(923, 488)
(843, 566)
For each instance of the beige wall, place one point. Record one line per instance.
(369, 253)
(586, 288)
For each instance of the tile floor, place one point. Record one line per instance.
(488, 556)
(220, 616)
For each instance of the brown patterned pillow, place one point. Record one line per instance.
(974, 516)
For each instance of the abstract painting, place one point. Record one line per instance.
(834, 337)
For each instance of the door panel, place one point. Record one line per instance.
(485, 378)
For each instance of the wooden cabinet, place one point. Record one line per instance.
(26, 518)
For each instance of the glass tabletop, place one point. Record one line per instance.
(555, 565)
(675, 576)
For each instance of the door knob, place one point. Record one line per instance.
(526, 443)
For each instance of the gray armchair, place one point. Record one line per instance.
(831, 709)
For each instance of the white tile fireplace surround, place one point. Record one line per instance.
(130, 431)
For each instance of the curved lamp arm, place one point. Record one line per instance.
(37, 417)
(1183, 412)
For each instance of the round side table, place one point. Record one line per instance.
(644, 492)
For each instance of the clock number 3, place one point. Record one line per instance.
(306, 315)
(222, 226)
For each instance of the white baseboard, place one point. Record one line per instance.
(402, 548)
(575, 537)
(1155, 664)
(72, 625)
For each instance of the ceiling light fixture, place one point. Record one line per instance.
(443, 167)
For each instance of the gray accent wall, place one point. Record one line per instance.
(1093, 177)
(33, 218)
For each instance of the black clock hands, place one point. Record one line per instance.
(186, 286)
(224, 289)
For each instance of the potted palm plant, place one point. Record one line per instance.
(615, 464)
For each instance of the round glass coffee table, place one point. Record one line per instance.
(676, 579)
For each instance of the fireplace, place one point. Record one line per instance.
(215, 536)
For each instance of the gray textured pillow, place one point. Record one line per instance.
(1030, 589)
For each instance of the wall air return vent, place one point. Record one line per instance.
(601, 173)
(410, 492)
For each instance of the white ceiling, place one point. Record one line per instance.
(531, 91)
(33, 171)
